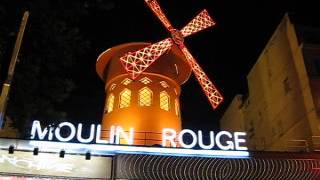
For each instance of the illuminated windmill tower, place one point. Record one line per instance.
(142, 81)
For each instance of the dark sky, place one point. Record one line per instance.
(226, 52)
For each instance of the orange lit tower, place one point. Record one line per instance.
(148, 103)
(143, 81)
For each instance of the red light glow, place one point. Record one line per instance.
(137, 62)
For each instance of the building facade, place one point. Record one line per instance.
(281, 110)
(24, 162)
(282, 104)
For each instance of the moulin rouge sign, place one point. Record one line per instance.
(223, 140)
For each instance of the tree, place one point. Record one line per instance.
(52, 45)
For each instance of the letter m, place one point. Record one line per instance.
(36, 129)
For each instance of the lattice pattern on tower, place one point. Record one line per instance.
(145, 97)
(164, 100)
(125, 98)
(145, 80)
(126, 81)
(110, 102)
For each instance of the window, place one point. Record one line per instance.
(126, 81)
(145, 80)
(176, 103)
(164, 84)
(110, 102)
(164, 100)
(125, 98)
(145, 97)
(113, 86)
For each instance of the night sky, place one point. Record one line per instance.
(226, 52)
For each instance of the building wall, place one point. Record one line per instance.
(233, 117)
(279, 113)
(311, 54)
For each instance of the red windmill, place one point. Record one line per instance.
(137, 62)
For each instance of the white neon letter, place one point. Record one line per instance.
(71, 135)
(98, 136)
(165, 137)
(200, 138)
(194, 138)
(128, 138)
(36, 127)
(79, 132)
(238, 140)
(230, 144)
(50, 137)
(112, 134)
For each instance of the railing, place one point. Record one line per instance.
(141, 138)
(316, 143)
(299, 145)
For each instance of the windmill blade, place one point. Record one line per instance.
(212, 93)
(137, 62)
(200, 22)
(155, 7)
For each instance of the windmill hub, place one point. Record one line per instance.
(177, 36)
